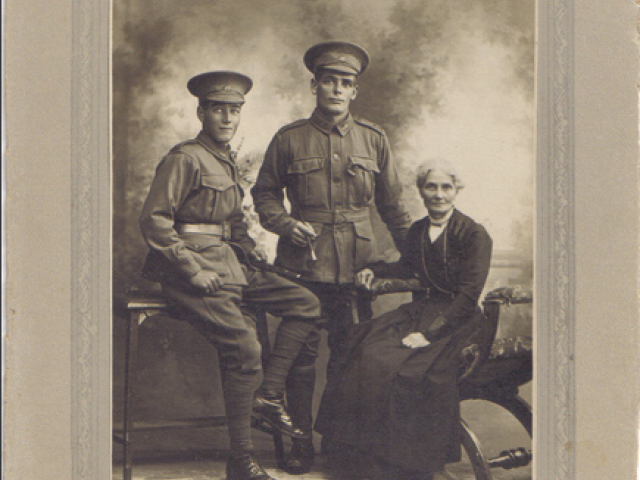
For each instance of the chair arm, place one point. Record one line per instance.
(502, 295)
(380, 286)
(503, 348)
(509, 295)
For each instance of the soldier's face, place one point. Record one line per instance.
(438, 193)
(220, 120)
(334, 92)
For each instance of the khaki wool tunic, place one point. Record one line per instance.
(333, 174)
(196, 182)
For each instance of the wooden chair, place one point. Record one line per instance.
(144, 306)
(504, 365)
(492, 370)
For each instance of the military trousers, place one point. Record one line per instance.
(225, 317)
(337, 318)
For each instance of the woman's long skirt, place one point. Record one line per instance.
(397, 403)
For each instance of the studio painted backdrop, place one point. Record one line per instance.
(447, 78)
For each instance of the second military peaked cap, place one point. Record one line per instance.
(220, 86)
(345, 57)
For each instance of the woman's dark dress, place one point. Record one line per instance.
(402, 404)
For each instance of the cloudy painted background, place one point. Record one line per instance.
(447, 78)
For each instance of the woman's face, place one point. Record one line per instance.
(438, 193)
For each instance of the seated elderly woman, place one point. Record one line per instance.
(396, 405)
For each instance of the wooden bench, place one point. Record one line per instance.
(144, 306)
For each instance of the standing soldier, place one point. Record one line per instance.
(193, 223)
(334, 167)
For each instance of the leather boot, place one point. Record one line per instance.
(301, 457)
(244, 467)
(300, 385)
(270, 408)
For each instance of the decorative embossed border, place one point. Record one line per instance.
(555, 249)
(91, 242)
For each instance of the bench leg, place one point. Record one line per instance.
(130, 360)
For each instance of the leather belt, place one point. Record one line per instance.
(219, 229)
(334, 217)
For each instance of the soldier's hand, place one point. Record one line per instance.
(258, 255)
(415, 340)
(301, 234)
(364, 278)
(206, 280)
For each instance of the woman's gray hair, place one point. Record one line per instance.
(441, 164)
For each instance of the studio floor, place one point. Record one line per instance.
(211, 466)
(200, 454)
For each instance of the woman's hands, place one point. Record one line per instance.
(435, 331)
(415, 340)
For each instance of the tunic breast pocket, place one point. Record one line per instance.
(221, 196)
(362, 172)
(308, 181)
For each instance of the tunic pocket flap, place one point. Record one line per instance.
(305, 165)
(368, 164)
(217, 182)
(363, 230)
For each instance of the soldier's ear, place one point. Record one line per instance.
(355, 92)
(314, 86)
(200, 113)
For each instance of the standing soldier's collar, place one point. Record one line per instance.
(327, 126)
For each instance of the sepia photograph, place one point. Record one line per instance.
(359, 179)
(320, 239)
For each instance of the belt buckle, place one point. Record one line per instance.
(226, 231)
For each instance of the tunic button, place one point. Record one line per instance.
(336, 156)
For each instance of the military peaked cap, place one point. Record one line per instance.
(340, 56)
(220, 86)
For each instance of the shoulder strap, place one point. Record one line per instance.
(296, 124)
(370, 125)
